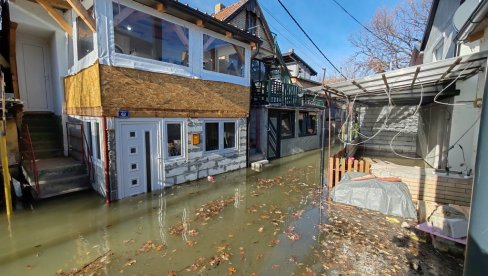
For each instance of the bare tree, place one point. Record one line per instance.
(394, 35)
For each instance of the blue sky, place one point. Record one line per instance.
(324, 21)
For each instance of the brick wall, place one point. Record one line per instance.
(200, 164)
(400, 119)
(427, 186)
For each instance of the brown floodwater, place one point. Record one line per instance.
(245, 222)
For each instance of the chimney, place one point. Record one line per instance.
(219, 7)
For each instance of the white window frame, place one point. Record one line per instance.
(147, 63)
(221, 148)
(183, 139)
(95, 150)
(439, 46)
(91, 57)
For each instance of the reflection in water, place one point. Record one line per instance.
(263, 223)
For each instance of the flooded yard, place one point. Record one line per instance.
(274, 222)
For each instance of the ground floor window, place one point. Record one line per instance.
(173, 139)
(287, 124)
(92, 138)
(307, 123)
(220, 135)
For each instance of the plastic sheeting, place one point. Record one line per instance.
(391, 198)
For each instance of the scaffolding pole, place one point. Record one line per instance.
(3, 152)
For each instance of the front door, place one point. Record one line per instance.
(274, 142)
(34, 74)
(139, 158)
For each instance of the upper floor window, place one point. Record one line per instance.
(84, 37)
(139, 34)
(438, 52)
(223, 57)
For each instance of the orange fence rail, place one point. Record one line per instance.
(338, 166)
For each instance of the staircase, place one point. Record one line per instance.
(43, 159)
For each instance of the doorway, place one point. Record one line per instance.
(34, 73)
(139, 157)
(274, 140)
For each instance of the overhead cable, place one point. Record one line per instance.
(309, 38)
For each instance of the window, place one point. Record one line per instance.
(174, 142)
(307, 123)
(438, 52)
(84, 37)
(229, 135)
(97, 140)
(223, 57)
(220, 136)
(287, 125)
(211, 136)
(258, 70)
(143, 35)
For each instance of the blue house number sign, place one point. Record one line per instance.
(123, 113)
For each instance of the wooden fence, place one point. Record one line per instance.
(338, 166)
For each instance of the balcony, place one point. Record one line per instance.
(273, 92)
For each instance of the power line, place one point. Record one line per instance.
(364, 26)
(309, 38)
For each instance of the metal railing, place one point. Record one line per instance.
(275, 92)
(29, 155)
(85, 149)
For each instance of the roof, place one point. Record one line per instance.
(230, 10)
(430, 22)
(291, 56)
(409, 84)
(185, 12)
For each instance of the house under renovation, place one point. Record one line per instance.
(130, 96)
(284, 116)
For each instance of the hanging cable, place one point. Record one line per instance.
(309, 38)
(449, 85)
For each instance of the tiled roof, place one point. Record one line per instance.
(226, 12)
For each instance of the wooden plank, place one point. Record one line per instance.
(415, 76)
(160, 7)
(343, 167)
(349, 165)
(330, 175)
(56, 16)
(337, 171)
(83, 13)
(368, 167)
(361, 166)
(356, 163)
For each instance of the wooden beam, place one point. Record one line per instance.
(228, 34)
(359, 86)
(458, 60)
(56, 16)
(386, 82)
(181, 34)
(83, 13)
(415, 76)
(199, 23)
(13, 59)
(160, 7)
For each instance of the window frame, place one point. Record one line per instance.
(293, 127)
(316, 123)
(182, 124)
(96, 153)
(91, 57)
(221, 123)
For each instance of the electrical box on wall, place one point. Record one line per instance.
(195, 138)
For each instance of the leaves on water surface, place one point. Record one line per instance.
(273, 242)
(231, 270)
(130, 262)
(149, 245)
(261, 229)
(129, 241)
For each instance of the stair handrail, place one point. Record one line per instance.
(87, 158)
(28, 151)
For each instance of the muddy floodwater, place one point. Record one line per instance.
(272, 222)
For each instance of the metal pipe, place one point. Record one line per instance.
(105, 164)
(477, 246)
(322, 143)
(3, 149)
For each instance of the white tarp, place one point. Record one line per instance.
(390, 198)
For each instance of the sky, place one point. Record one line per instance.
(323, 20)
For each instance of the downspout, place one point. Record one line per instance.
(105, 164)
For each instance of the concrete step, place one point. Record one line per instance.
(53, 168)
(63, 185)
(45, 144)
(45, 135)
(48, 153)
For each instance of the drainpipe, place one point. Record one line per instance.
(477, 246)
(105, 164)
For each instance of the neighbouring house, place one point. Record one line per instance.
(429, 113)
(300, 72)
(128, 97)
(284, 116)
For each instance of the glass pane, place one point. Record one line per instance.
(223, 57)
(143, 35)
(84, 38)
(287, 125)
(211, 136)
(174, 139)
(229, 135)
(307, 123)
(97, 140)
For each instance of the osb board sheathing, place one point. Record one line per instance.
(82, 92)
(148, 94)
